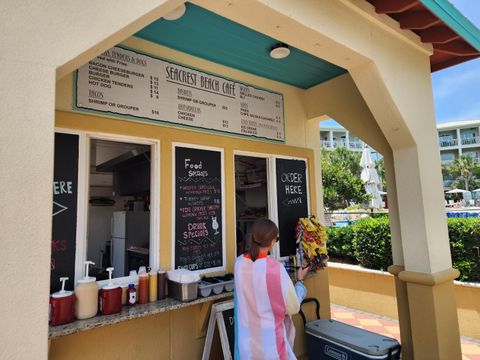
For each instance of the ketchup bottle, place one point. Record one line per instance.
(62, 306)
(131, 295)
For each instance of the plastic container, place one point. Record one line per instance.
(162, 284)
(62, 306)
(143, 288)
(110, 299)
(152, 286)
(205, 289)
(86, 293)
(331, 339)
(183, 276)
(217, 285)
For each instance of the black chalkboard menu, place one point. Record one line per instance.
(198, 209)
(228, 319)
(291, 200)
(64, 222)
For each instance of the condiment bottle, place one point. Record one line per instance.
(152, 285)
(62, 306)
(162, 284)
(143, 288)
(110, 300)
(124, 293)
(86, 292)
(131, 295)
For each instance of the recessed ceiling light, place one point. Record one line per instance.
(279, 51)
(176, 13)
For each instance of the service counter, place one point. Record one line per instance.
(129, 313)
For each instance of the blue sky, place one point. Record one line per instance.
(456, 90)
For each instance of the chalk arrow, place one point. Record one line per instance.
(58, 208)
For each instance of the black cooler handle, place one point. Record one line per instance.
(391, 350)
(317, 309)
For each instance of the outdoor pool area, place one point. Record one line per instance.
(342, 219)
(463, 214)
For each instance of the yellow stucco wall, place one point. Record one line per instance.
(346, 32)
(165, 335)
(374, 292)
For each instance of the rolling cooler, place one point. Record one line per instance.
(331, 339)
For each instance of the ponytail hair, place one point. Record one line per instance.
(263, 232)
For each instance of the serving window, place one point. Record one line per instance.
(271, 186)
(114, 181)
(251, 196)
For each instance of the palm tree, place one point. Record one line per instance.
(462, 168)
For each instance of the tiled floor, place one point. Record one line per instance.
(389, 327)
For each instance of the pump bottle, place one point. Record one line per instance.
(86, 292)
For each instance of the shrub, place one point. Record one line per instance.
(340, 244)
(464, 237)
(368, 243)
(372, 245)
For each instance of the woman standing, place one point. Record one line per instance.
(265, 297)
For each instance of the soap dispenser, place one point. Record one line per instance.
(62, 306)
(86, 292)
(110, 300)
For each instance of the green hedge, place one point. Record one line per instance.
(368, 243)
(465, 247)
(372, 244)
(340, 243)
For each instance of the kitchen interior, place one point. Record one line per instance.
(118, 233)
(251, 196)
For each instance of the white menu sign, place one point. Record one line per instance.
(125, 82)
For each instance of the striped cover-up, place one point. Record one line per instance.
(265, 297)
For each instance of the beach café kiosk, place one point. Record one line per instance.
(118, 104)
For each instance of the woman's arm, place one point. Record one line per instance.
(293, 294)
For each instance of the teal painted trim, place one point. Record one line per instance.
(110, 114)
(204, 34)
(455, 20)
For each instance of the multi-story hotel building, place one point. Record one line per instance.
(333, 137)
(455, 138)
(459, 138)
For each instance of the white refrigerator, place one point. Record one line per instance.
(129, 229)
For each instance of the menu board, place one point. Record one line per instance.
(64, 222)
(292, 201)
(198, 209)
(129, 83)
(229, 321)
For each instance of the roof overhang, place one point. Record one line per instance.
(453, 37)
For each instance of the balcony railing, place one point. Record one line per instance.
(356, 145)
(470, 140)
(475, 159)
(447, 142)
(352, 145)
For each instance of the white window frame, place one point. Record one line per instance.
(174, 198)
(85, 138)
(271, 189)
